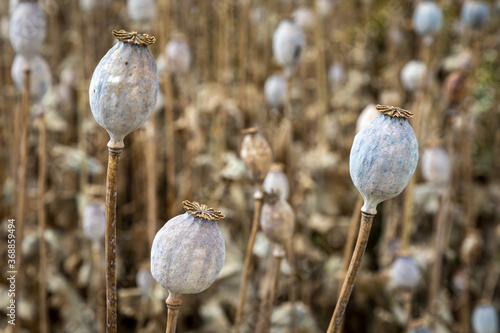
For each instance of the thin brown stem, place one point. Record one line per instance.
(173, 304)
(99, 278)
(243, 50)
(151, 179)
(491, 282)
(170, 142)
(321, 75)
(111, 199)
(248, 259)
(407, 297)
(345, 294)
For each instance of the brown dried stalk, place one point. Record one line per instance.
(150, 179)
(97, 270)
(173, 304)
(170, 142)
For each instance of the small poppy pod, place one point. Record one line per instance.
(144, 280)
(485, 318)
(324, 7)
(405, 273)
(141, 11)
(366, 116)
(124, 86)
(436, 166)
(305, 18)
(427, 18)
(384, 157)
(275, 91)
(413, 75)
(40, 77)
(420, 328)
(178, 56)
(336, 74)
(475, 14)
(94, 222)
(27, 30)
(472, 246)
(288, 43)
(188, 252)
(276, 180)
(256, 154)
(277, 219)
(88, 6)
(455, 87)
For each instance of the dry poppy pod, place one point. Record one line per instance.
(256, 154)
(40, 77)
(336, 74)
(305, 18)
(124, 86)
(427, 19)
(455, 87)
(366, 116)
(413, 75)
(436, 166)
(178, 56)
(419, 328)
(141, 11)
(288, 43)
(27, 29)
(472, 246)
(384, 156)
(276, 180)
(188, 252)
(475, 14)
(94, 222)
(277, 219)
(405, 273)
(275, 91)
(324, 7)
(485, 318)
(144, 280)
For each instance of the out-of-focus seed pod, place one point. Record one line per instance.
(40, 77)
(475, 14)
(178, 56)
(27, 30)
(485, 318)
(436, 166)
(324, 7)
(141, 11)
(472, 246)
(288, 43)
(88, 6)
(366, 116)
(124, 86)
(144, 280)
(419, 327)
(305, 18)
(427, 19)
(405, 273)
(276, 180)
(275, 91)
(455, 87)
(460, 281)
(336, 74)
(12, 5)
(384, 157)
(277, 219)
(256, 154)
(413, 75)
(94, 222)
(188, 252)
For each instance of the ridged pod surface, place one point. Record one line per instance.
(384, 157)
(256, 154)
(28, 27)
(40, 76)
(124, 86)
(94, 222)
(275, 91)
(405, 273)
(276, 180)
(475, 14)
(277, 219)
(188, 252)
(427, 18)
(288, 43)
(485, 318)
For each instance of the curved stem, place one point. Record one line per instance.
(248, 259)
(173, 303)
(345, 293)
(42, 281)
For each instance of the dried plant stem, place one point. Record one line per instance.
(248, 259)
(111, 196)
(321, 75)
(293, 292)
(345, 294)
(151, 179)
(491, 282)
(173, 304)
(170, 142)
(407, 297)
(99, 278)
(243, 50)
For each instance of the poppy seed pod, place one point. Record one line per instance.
(305, 18)
(384, 156)
(420, 328)
(336, 74)
(124, 86)
(88, 6)
(485, 318)
(144, 280)
(436, 166)
(366, 116)
(288, 43)
(28, 27)
(455, 87)
(256, 154)
(94, 222)
(405, 273)
(475, 14)
(413, 75)
(276, 180)
(188, 252)
(277, 219)
(275, 91)
(427, 18)
(178, 56)
(472, 246)
(141, 11)
(40, 77)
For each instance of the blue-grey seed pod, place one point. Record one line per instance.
(124, 86)
(405, 273)
(40, 77)
(27, 30)
(336, 74)
(276, 180)
(384, 157)
(436, 166)
(288, 44)
(277, 218)
(141, 11)
(427, 19)
(94, 222)
(475, 14)
(305, 18)
(413, 75)
(420, 329)
(275, 91)
(188, 252)
(485, 318)
(178, 56)
(144, 280)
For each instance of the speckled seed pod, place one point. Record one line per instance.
(144, 280)
(27, 29)
(475, 14)
(436, 166)
(178, 56)
(276, 180)
(277, 219)
(40, 77)
(141, 11)
(188, 252)
(405, 273)
(455, 87)
(413, 75)
(305, 18)
(288, 43)
(427, 19)
(336, 74)
(94, 222)
(124, 86)
(384, 156)
(472, 246)
(275, 91)
(485, 318)
(256, 154)
(366, 116)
